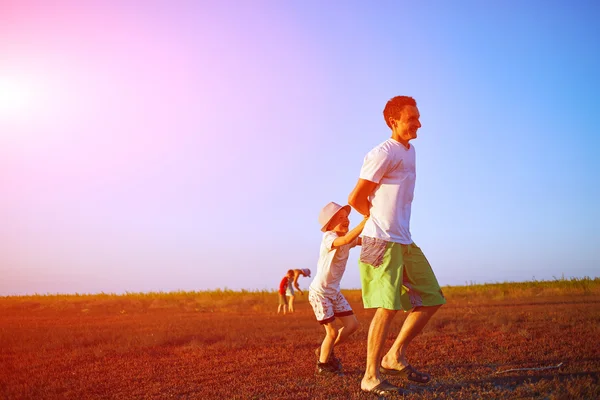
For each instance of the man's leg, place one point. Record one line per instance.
(419, 276)
(413, 325)
(378, 330)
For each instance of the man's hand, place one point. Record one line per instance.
(359, 197)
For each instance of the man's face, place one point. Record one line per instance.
(408, 124)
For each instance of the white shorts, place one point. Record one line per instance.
(326, 308)
(289, 291)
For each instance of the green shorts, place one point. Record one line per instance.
(396, 276)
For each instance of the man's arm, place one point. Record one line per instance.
(350, 236)
(296, 276)
(359, 197)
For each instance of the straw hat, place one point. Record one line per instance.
(328, 212)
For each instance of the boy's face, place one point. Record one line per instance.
(340, 222)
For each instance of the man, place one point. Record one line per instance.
(395, 275)
(290, 292)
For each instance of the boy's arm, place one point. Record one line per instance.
(351, 235)
(359, 197)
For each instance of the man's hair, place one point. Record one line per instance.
(394, 107)
(290, 272)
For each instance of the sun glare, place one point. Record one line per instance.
(16, 97)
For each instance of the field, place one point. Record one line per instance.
(232, 345)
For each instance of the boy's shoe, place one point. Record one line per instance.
(328, 368)
(333, 360)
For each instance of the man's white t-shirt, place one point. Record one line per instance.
(331, 265)
(392, 166)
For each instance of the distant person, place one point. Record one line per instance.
(324, 294)
(291, 294)
(395, 275)
(285, 283)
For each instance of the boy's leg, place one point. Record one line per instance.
(327, 363)
(282, 303)
(323, 308)
(343, 311)
(350, 326)
(331, 334)
(291, 303)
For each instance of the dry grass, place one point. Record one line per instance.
(226, 344)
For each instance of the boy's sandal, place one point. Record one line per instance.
(385, 388)
(409, 373)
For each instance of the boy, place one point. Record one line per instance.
(284, 285)
(324, 295)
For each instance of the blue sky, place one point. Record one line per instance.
(157, 146)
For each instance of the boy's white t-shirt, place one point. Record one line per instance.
(331, 265)
(392, 166)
